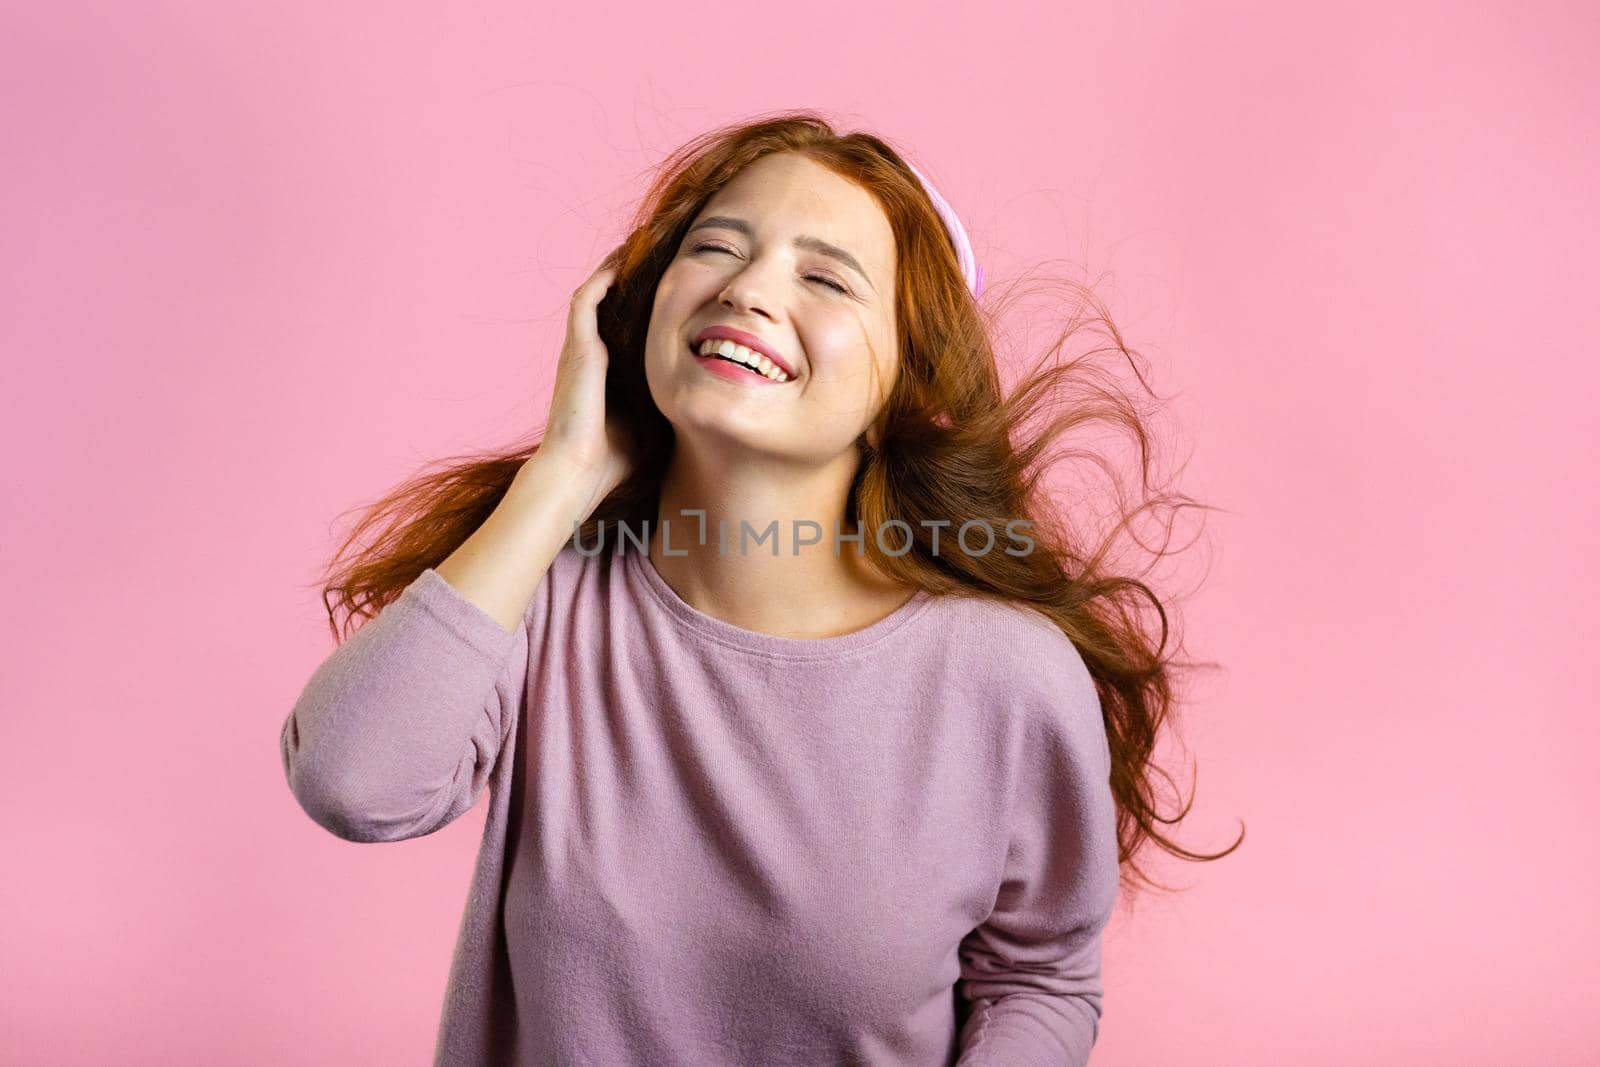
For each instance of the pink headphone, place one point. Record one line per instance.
(970, 269)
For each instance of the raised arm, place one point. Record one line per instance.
(397, 732)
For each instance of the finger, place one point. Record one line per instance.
(581, 317)
(594, 287)
(607, 269)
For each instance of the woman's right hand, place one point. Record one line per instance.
(579, 437)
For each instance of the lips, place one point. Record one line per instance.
(749, 340)
(733, 369)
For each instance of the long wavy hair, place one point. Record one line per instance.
(951, 445)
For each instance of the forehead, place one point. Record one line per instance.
(786, 195)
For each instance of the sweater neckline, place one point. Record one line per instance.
(642, 574)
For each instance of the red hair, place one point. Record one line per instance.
(952, 445)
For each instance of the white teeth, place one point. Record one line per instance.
(739, 353)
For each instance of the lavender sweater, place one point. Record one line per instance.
(711, 846)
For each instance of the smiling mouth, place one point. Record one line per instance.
(752, 371)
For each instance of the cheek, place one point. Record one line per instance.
(661, 337)
(666, 294)
(670, 310)
(846, 348)
(683, 282)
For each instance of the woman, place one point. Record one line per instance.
(860, 794)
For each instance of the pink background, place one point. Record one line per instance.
(258, 263)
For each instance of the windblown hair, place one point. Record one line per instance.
(951, 444)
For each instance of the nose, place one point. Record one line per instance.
(748, 289)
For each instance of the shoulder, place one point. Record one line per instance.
(1016, 646)
(591, 565)
(571, 583)
(571, 564)
(1031, 669)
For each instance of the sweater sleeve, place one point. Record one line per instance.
(1031, 970)
(397, 731)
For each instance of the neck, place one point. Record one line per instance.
(715, 563)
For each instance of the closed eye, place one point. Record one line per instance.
(823, 278)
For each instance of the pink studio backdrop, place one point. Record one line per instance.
(259, 262)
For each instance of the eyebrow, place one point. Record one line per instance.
(810, 244)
